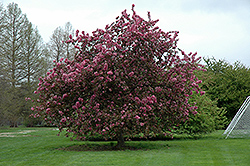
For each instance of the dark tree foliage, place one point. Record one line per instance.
(227, 83)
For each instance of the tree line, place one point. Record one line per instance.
(24, 57)
(228, 84)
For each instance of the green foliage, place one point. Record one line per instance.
(229, 84)
(207, 119)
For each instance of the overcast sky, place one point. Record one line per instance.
(218, 28)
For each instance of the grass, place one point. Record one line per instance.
(40, 147)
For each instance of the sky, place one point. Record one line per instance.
(213, 28)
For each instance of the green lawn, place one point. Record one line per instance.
(39, 147)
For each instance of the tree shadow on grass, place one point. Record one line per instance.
(95, 146)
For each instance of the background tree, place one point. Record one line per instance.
(227, 83)
(45, 60)
(2, 77)
(33, 55)
(69, 48)
(1, 16)
(34, 63)
(12, 42)
(1, 30)
(3, 86)
(20, 54)
(57, 47)
(127, 79)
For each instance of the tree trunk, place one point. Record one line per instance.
(13, 124)
(120, 141)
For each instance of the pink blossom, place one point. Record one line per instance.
(96, 73)
(174, 79)
(137, 117)
(194, 112)
(144, 100)
(108, 79)
(149, 108)
(110, 72)
(158, 89)
(83, 63)
(63, 120)
(203, 92)
(77, 32)
(131, 74)
(80, 99)
(137, 99)
(105, 67)
(154, 98)
(93, 96)
(198, 82)
(65, 95)
(78, 105)
(193, 84)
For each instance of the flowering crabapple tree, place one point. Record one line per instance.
(127, 79)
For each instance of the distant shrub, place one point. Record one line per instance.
(206, 119)
(32, 122)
